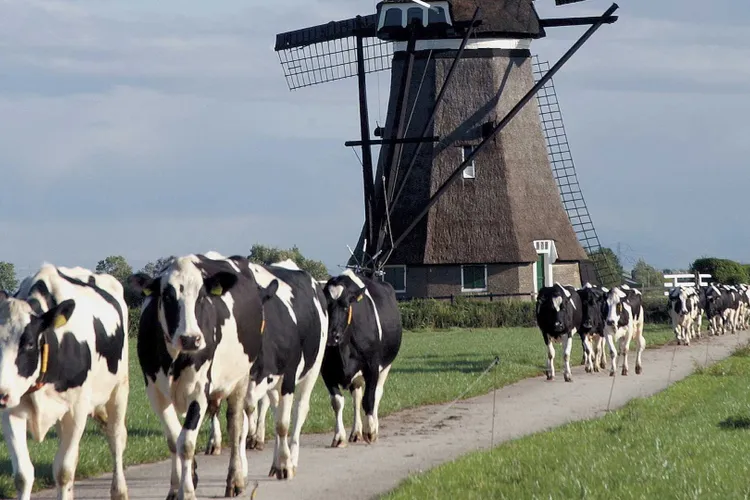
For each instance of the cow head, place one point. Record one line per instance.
(613, 308)
(186, 296)
(22, 346)
(342, 295)
(679, 300)
(714, 301)
(554, 309)
(591, 302)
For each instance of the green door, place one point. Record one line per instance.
(540, 271)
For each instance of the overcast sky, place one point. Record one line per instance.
(147, 128)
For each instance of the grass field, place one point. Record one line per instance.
(689, 441)
(433, 367)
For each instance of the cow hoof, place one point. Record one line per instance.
(254, 444)
(370, 437)
(624, 372)
(611, 373)
(568, 377)
(550, 376)
(282, 473)
(172, 495)
(212, 449)
(338, 443)
(118, 495)
(638, 370)
(589, 370)
(355, 437)
(234, 490)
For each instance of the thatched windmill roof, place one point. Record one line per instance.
(501, 18)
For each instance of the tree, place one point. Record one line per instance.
(118, 267)
(723, 271)
(263, 254)
(646, 275)
(8, 280)
(608, 265)
(153, 268)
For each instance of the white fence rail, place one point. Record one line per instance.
(683, 280)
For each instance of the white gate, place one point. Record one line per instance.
(683, 280)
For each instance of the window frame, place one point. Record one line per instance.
(472, 166)
(403, 268)
(463, 281)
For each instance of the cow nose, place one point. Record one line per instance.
(335, 338)
(558, 324)
(190, 342)
(4, 400)
(587, 324)
(610, 322)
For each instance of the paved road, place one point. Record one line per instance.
(407, 445)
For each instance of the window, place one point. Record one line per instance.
(396, 277)
(473, 278)
(470, 170)
(393, 17)
(415, 13)
(437, 15)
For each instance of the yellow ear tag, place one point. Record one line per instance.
(349, 321)
(60, 320)
(146, 292)
(217, 290)
(45, 358)
(262, 326)
(360, 297)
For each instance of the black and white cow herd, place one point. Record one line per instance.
(599, 316)
(212, 328)
(616, 316)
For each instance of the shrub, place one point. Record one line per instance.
(724, 271)
(656, 310)
(466, 313)
(134, 315)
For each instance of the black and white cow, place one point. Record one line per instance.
(63, 357)
(683, 309)
(592, 327)
(559, 315)
(743, 322)
(291, 353)
(624, 317)
(364, 338)
(720, 309)
(199, 331)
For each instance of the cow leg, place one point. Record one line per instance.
(370, 427)
(625, 347)
(357, 390)
(213, 447)
(282, 466)
(301, 408)
(602, 352)
(237, 430)
(588, 354)
(337, 404)
(171, 427)
(186, 443)
(567, 341)
(641, 342)
(379, 394)
(257, 432)
(14, 433)
(610, 336)
(70, 431)
(550, 357)
(117, 435)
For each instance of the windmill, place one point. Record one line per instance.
(460, 109)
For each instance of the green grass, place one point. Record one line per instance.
(690, 441)
(433, 367)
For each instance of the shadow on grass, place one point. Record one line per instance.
(733, 423)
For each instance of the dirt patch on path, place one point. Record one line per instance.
(407, 446)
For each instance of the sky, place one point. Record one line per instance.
(146, 129)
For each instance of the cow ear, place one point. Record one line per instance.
(218, 284)
(359, 295)
(58, 316)
(144, 284)
(269, 291)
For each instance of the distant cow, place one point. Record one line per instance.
(199, 330)
(624, 316)
(559, 315)
(291, 353)
(592, 327)
(364, 338)
(720, 309)
(63, 357)
(683, 308)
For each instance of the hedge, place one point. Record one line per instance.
(421, 314)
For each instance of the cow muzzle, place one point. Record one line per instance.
(335, 338)
(610, 322)
(190, 342)
(4, 400)
(587, 325)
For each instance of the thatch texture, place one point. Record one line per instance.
(513, 200)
